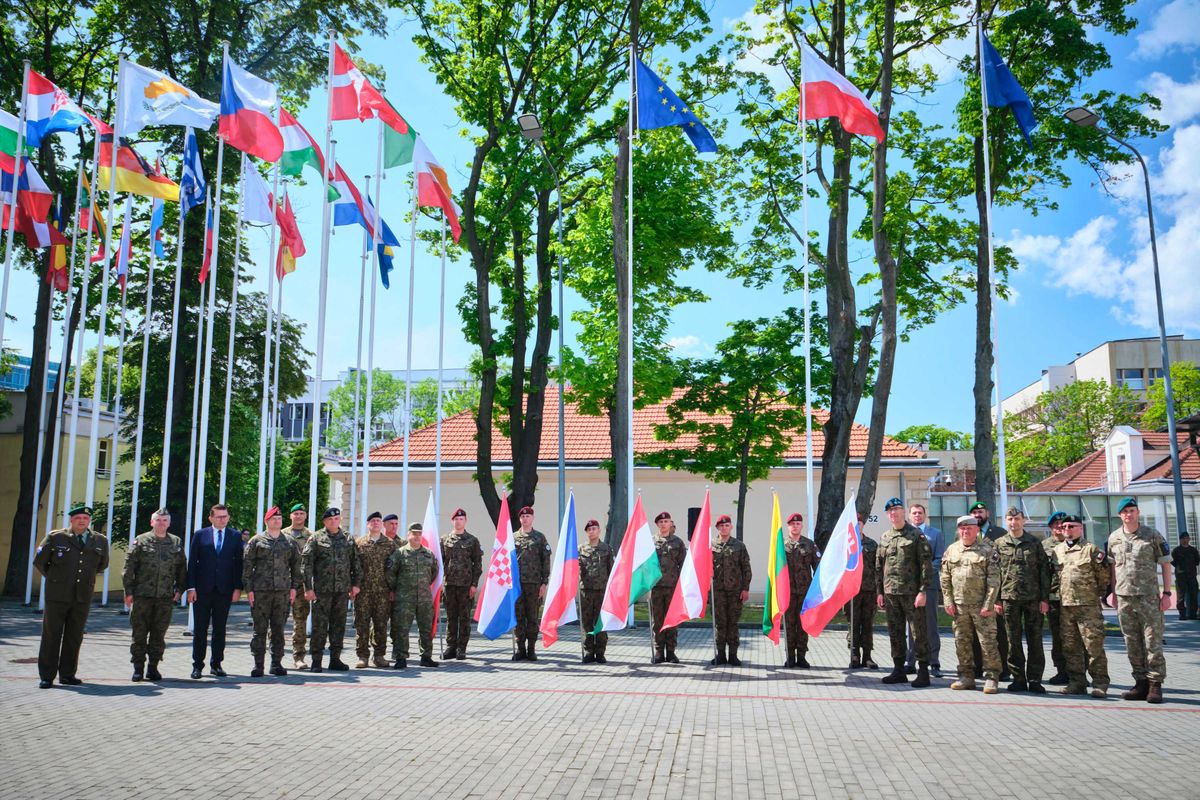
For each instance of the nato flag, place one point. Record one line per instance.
(1003, 90)
(659, 107)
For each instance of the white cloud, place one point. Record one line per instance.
(1174, 28)
(689, 345)
(1180, 101)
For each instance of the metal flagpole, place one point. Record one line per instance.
(141, 407)
(808, 437)
(274, 412)
(412, 277)
(264, 408)
(233, 302)
(169, 411)
(376, 239)
(116, 434)
(10, 213)
(437, 447)
(628, 399)
(362, 299)
(189, 515)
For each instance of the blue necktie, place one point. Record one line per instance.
(220, 540)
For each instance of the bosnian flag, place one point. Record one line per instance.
(431, 539)
(839, 575)
(633, 575)
(696, 578)
(564, 579)
(48, 110)
(247, 103)
(828, 93)
(496, 609)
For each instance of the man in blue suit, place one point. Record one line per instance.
(919, 519)
(214, 583)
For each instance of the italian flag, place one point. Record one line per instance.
(355, 98)
(633, 575)
(779, 588)
(696, 578)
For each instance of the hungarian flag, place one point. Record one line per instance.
(828, 93)
(291, 244)
(206, 262)
(49, 110)
(839, 575)
(564, 579)
(779, 587)
(247, 103)
(696, 578)
(134, 173)
(125, 248)
(633, 575)
(433, 188)
(496, 607)
(355, 98)
(299, 147)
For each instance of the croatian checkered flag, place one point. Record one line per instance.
(496, 610)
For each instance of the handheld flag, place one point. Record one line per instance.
(779, 586)
(49, 110)
(633, 575)
(134, 173)
(206, 262)
(659, 107)
(355, 98)
(433, 188)
(839, 575)
(247, 102)
(828, 93)
(149, 97)
(696, 578)
(125, 248)
(496, 609)
(1002, 89)
(430, 538)
(564, 579)
(156, 223)
(192, 187)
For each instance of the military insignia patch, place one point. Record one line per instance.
(1099, 556)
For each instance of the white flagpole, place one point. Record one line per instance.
(10, 213)
(437, 457)
(189, 515)
(264, 408)
(362, 299)
(808, 437)
(169, 411)
(137, 442)
(376, 238)
(116, 406)
(274, 412)
(628, 399)
(412, 278)
(987, 184)
(233, 301)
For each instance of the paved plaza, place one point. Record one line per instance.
(486, 727)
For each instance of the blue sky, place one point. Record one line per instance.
(1084, 274)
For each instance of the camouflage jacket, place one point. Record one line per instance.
(1080, 573)
(870, 552)
(410, 573)
(731, 566)
(802, 559)
(671, 553)
(595, 564)
(1024, 569)
(299, 536)
(971, 575)
(1048, 545)
(331, 563)
(271, 565)
(533, 556)
(1135, 558)
(373, 560)
(462, 559)
(155, 568)
(70, 565)
(904, 562)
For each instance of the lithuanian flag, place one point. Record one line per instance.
(779, 588)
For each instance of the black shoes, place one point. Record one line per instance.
(217, 671)
(1035, 688)
(600, 659)
(338, 665)
(588, 658)
(45, 684)
(71, 681)
(802, 663)
(449, 653)
(278, 670)
(896, 675)
(1018, 686)
(460, 655)
(427, 661)
(922, 679)
(197, 674)
(138, 672)
(400, 663)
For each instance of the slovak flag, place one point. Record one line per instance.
(839, 575)
(496, 609)
(247, 103)
(828, 93)
(564, 579)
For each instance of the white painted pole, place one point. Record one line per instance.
(11, 211)
(362, 299)
(375, 240)
(412, 277)
(189, 515)
(169, 412)
(274, 412)
(141, 407)
(264, 410)
(116, 412)
(810, 517)
(628, 399)
(437, 448)
(233, 301)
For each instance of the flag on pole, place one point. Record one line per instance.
(257, 202)
(156, 223)
(247, 103)
(696, 578)
(633, 575)
(299, 147)
(839, 575)
(564, 579)
(386, 255)
(1003, 90)
(33, 195)
(192, 187)
(125, 248)
(659, 107)
(149, 97)
(89, 219)
(431, 539)
(352, 208)
(8, 134)
(57, 275)
(49, 110)
(779, 586)
(134, 173)
(206, 262)
(828, 93)
(496, 608)
(355, 98)
(433, 187)
(291, 244)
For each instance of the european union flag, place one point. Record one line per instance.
(1003, 90)
(659, 107)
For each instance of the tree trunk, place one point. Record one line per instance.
(743, 487)
(985, 445)
(621, 494)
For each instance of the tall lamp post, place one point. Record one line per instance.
(532, 130)
(1086, 118)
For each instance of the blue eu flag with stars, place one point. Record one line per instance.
(659, 107)
(1003, 90)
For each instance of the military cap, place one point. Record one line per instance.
(967, 519)
(458, 512)
(796, 517)
(663, 515)
(273, 511)
(416, 526)
(1013, 511)
(297, 507)
(591, 523)
(1185, 535)
(391, 517)
(525, 510)
(724, 520)
(978, 504)
(1071, 518)
(1126, 503)
(1057, 516)
(374, 515)
(332, 512)
(80, 508)
(893, 503)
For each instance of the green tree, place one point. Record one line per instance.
(387, 407)
(457, 396)
(291, 482)
(1185, 389)
(934, 437)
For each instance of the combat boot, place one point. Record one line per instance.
(531, 650)
(152, 672)
(460, 654)
(361, 663)
(855, 660)
(1059, 679)
(671, 657)
(659, 657)
(337, 664)
(400, 663)
(1140, 690)
(801, 661)
(257, 672)
(381, 662)
(1074, 688)
(1154, 695)
(719, 658)
(922, 679)
(589, 658)
(600, 659)
(138, 669)
(1018, 686)
(448, 654)
(277, 668)
(520, 654)
(867, 662)
(299, 663)
(790, 661)
(733, 657)
(964, 683)
(897, 674)
(316, 664)
(991, 686)
(427, 661)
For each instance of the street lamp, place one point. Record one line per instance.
(1086, 118)
(532, 130)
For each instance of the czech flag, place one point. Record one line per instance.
(247, 103)
(564, 579)
(496, 609)
(779, 584)
(828, 93)
(839, 575)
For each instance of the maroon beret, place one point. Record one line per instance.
(661, 516)
(796, 517)
(724, 518)
(525, 510)
(591, 523)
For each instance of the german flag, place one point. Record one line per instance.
(134, 173)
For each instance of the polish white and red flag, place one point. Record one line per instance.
(696, 577)
(828, 93)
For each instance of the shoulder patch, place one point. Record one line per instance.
(1100, 556)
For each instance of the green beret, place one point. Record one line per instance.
(297, 507)
(1126, 503)
(81, 508)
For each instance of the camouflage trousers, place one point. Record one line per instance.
(300, 610)
(1142, 625)
(589, 608)
(1024, 624)
(660, 601)
(727, 610)
(860, 614)
(901, 612)
(1083, 634)
(270, 613)
(797, 637)
(1054, 623)
(970, 627)
(149, 619)
(529, 612)
(372, 612)
(1001, 646)
(456, 601)
(403, 612)
(329, 622)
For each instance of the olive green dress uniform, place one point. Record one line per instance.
(860, 611)
(971, 581)
(1135, 558)
(155, 573)
(462, 566)
(331, 569)
(410, 574)
(802, 558)
(1024, 585)
(671, 554)
(300, 608)
(1080, 579)
(372, 606)
(595, 565)
(1054, 614)
(731, 576)
(903, 568)
(68, 564)
(271, 568)
(533, 559)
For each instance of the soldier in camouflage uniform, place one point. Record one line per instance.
(1135, 553)
(731, 588)
(1024, 598)
(802, 559)
(991, 533)
(272, 575)
(904, 570)
(671, 554)
(299, 536)
(331, 578)
(373, 607)
(154, 578)
(595, 564)
(1080, 577)
(971, 583)
(410, 575)
(462, 565)
(533, 559)
(1054, 614)
(860, 611)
